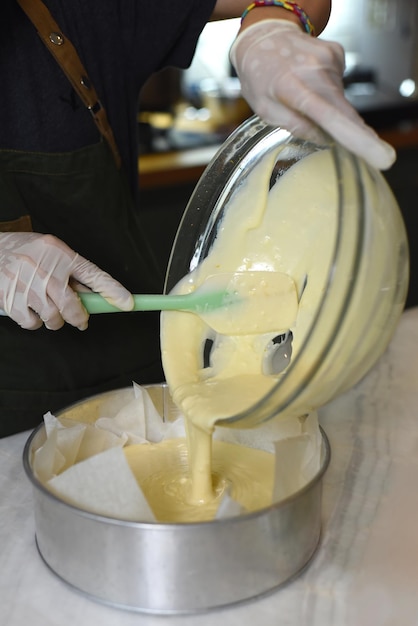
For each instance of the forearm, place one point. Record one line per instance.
(317, 10)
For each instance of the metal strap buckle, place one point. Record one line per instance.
(95, 108)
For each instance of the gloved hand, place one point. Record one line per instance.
(295, 81)
(35, 271)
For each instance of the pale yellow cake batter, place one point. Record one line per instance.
(260, 231)
(162, 471)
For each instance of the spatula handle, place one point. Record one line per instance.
(95, 303)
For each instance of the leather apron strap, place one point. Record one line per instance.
(67, 58)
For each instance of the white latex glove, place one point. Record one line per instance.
(35, 271)
(293, 80)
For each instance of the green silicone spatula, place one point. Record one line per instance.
(239, 303)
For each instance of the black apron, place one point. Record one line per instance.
(83, 198)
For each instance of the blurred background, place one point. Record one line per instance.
(185, 115)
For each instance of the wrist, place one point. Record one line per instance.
(287, 7)
(258, 31)
(259, 14)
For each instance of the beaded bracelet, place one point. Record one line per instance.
(289, 6)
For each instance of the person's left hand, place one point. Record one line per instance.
(293, 80)
(39, 275)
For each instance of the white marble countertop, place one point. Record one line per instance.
(365, 571)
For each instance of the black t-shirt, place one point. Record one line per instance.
(120, 42)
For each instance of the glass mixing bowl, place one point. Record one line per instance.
(367, 275)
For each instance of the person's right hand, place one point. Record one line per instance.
(296, 81)
(35, 275)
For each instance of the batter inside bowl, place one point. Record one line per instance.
(261, 230)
